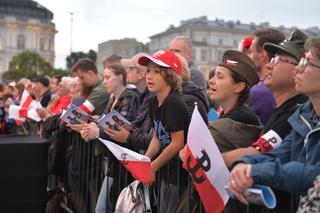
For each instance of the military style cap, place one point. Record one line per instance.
(240, 63)
(294, 45)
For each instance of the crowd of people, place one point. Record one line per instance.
(267, 87)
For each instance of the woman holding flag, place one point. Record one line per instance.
(122, 100)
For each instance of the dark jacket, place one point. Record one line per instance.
(46, 97)
(140, 139)
(196, 76)
(192, 93)
(236, 129)
(126, 106)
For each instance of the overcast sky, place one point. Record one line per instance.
(96, 21)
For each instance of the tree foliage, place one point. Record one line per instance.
(27, 64)
(75, 56)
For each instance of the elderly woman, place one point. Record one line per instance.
(294, 165)
(62, 99)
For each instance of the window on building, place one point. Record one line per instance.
(220, 42)
(21, 42)
(219, 55)
(42, 43)
(50, 44)
(203, 55)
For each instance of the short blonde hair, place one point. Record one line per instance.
(185, 74)
(68, 82)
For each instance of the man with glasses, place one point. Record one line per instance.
(279, 79)
(294, 165)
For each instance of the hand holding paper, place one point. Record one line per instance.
(259, 195)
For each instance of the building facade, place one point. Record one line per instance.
(25, 25)
(210, 39)
(126, 48)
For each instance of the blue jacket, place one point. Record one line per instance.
(295, 164)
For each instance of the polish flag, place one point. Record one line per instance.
(26, 99)
(25, 102)
(205, 165)
(231, 62)
(138, 165)
(19, 113)
(87, 106)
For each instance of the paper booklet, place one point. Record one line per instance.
(259, 195)
(69, 116)
(112, 119)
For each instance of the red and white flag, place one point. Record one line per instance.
(205, 165)
(87, 106)
(19, 113)
(138, 165)
(26, 99)
(27, 108)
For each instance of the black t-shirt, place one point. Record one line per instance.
(278, 121)
(171, 116)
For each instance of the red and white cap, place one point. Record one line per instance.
(163, 58)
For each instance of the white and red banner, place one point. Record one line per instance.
(19, 113)
(205, 165)
(138, 165)
(27, 108)
(87, 106)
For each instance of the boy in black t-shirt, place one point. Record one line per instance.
(170, 123)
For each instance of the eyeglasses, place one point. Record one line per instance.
(278, 58)
(304, 63)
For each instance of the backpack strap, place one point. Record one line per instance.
(147, 198)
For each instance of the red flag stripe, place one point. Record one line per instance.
(209, 196)
(23, 113)
(140, 170)
(18, 122)
(27, 102)
(84, 108)
(87, 107)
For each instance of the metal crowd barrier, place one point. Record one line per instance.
(83, 173)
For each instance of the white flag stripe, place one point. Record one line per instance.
(89, 106)
(14, 112)
(199, 138)
(118, 151)
(35, 105)
(32, 113)
(273, 138)
(24, 96)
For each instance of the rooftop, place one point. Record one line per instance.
(25, 8)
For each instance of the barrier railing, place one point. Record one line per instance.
(85, 170)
